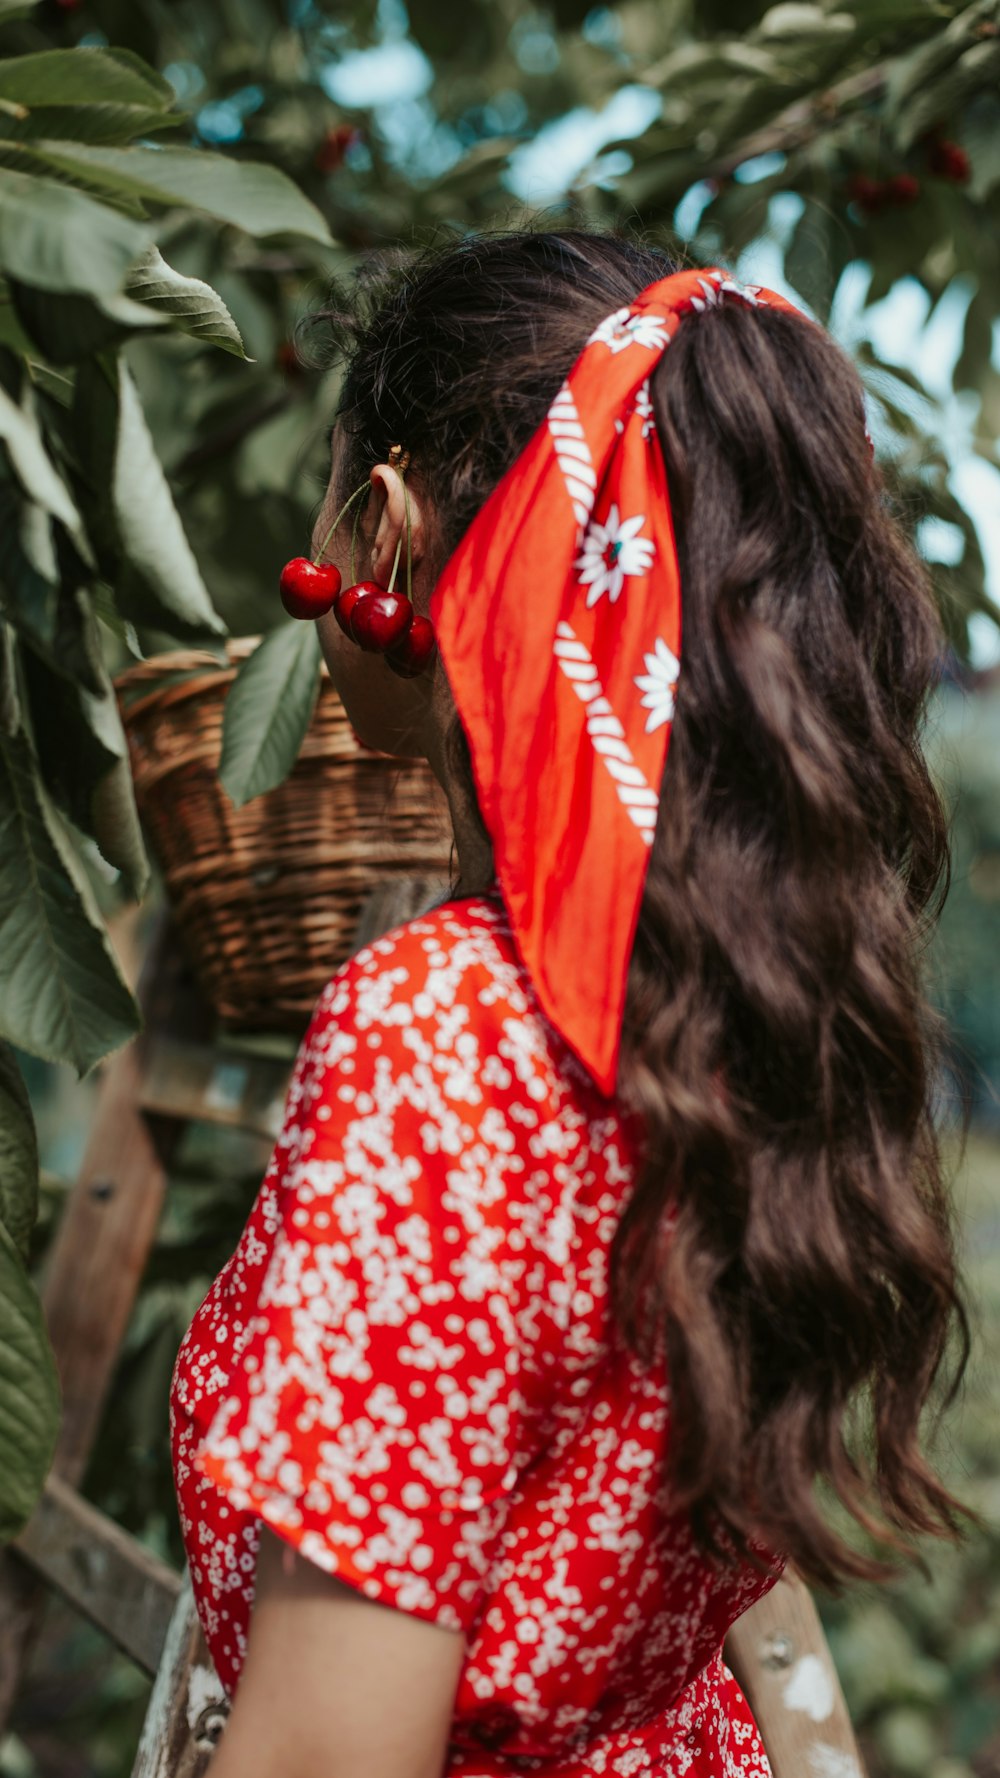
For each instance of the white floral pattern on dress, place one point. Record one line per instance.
(610, 552)
(658, 684)
(408, 1369)
(625, 329)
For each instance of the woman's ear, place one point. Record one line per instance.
(393, 499)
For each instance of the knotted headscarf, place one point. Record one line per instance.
(558, 619)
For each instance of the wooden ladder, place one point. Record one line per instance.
(173, 1074)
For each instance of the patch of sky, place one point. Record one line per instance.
(602, 28)
(94, 40)
(905, 330)
(504, 115)
(759, 166)
(762, 262)
(388, 74)
(547, 166)
(607, 169)
(187, 80)
(688, 213)
(940, 541)
(391, 19)
(977, 485)
(506, 112)
(415, 138)
(533, 45)
(223, 119)
(984, 642)
(849, 301)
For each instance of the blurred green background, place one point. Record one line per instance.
(849, 155)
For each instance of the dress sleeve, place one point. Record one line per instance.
(374, 1403)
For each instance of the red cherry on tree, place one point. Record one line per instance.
(334, 146)
(287, 360)
(946, 160)
(308, 589)
(416, 650)
(902, 188)
(379, 619)
(869, 194)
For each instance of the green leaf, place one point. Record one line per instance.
(61, 240)
(793, 22)
(68, 328)
(10, 702)
(28, 567)
(62, 994)
(915, 72)
(29, 1394)
(12, 335)
(138, 531)
(42, 594)
(188, 303)
(18, 1155)
(977, 341)
(117, 829)
(816, 255)
(257, 198)
(22, 436)
(32, 160)
(268, 709)
(106, 124)
(83, 754)
(84, 76)
(977, 71)
(692, 64)
(980, 137)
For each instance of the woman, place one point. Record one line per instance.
(608, 1187)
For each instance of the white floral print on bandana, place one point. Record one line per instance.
(625, 329)
(716, 288)
(643, 406)
(610, 552)
(644, 409)
(658, 683)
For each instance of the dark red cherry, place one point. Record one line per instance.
(308, 589)
(346, 601)
(416, 650)
(379, 619)
(948, 161)
(902, 188)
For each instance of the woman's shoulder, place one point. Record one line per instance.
(451, 978)
(456, 953)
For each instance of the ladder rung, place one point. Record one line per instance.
(105, 1572)
(184, 1080)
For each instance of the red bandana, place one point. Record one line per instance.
(558, 619)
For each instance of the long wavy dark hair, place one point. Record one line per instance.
(788, 1235)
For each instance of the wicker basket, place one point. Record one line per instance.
(268, 896)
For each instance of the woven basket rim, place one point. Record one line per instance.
(263, 948)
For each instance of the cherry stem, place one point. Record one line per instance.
(344, 509)
(395, 563)
(354, 540)
(409, 545)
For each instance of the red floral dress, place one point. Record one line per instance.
(409, 1371)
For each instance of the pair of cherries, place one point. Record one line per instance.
(379, 621)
